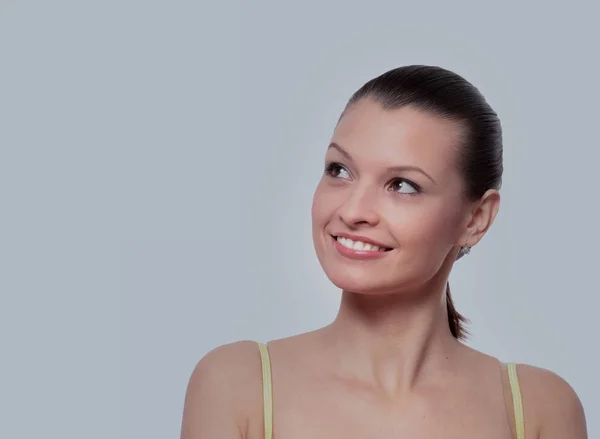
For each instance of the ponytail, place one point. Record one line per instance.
(456, 320)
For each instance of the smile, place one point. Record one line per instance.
(357, 249)
(359, 245)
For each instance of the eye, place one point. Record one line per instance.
(335, 170)
(403, 186)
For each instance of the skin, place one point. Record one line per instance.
(387, 366)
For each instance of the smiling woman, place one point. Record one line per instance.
(411, 182)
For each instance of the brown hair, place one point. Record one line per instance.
(448, 95)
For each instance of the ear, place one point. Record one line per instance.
(482, 215)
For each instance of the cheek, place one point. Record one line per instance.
(321, 208)
(320, 214)
(426, 228)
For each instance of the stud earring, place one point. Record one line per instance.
(466, 250)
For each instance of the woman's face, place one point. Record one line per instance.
(391, 179)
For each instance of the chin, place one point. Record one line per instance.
(362, 283)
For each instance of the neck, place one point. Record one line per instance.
(394, 340)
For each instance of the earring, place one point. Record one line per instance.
(466, 250)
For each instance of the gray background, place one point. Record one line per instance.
(157, 165)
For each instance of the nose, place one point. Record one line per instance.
(359, 208)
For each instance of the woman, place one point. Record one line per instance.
(411, 183)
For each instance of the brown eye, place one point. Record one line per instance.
(403, 186)
(335, 170)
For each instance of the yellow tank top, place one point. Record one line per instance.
(268, 394)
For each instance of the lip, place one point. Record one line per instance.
(358, 254)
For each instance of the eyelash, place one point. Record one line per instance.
(330, 168)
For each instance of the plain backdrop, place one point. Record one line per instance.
(157, 164)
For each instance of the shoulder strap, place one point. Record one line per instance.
(517, 400)
(267, 389)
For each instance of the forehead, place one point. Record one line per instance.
(404, 136)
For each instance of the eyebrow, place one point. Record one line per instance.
(391, 169)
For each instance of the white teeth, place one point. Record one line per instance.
(358, 245)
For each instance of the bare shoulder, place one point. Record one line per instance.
(228, 366)
(556, 407)
(223, 388)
